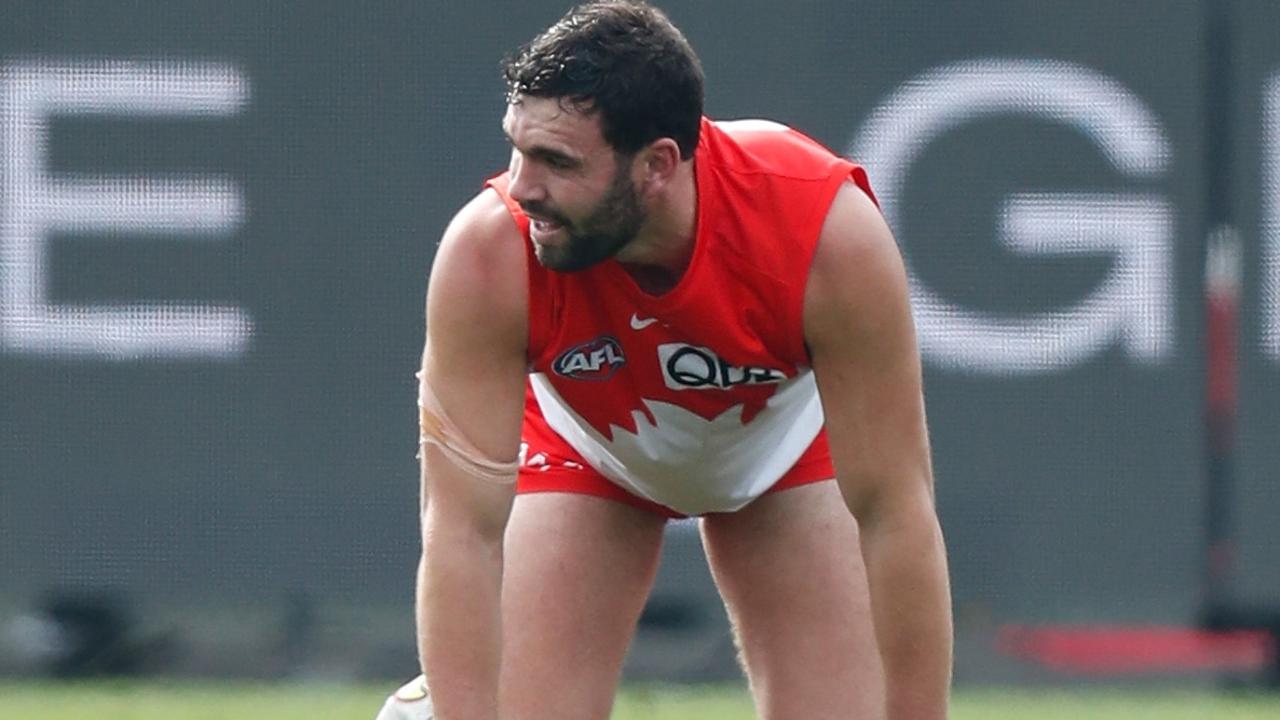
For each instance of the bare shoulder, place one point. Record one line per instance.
(478, 282)
(857, 288)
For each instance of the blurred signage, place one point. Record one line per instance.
(1133, 306)
(35, 203)
(1271, 220)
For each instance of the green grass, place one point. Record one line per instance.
(214, 701)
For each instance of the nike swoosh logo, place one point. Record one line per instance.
(638, 324)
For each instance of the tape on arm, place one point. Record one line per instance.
(436, 428)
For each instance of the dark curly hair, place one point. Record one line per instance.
(623, 59)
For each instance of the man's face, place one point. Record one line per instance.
(577, 191)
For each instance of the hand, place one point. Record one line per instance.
(411, 702)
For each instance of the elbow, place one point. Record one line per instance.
(464, 524)
(452, 539)
(892, 503)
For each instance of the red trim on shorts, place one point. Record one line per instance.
(588, 482)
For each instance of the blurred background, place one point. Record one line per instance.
(217, 221)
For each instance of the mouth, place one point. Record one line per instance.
(544, 227)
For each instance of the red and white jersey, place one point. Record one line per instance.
(701, 398)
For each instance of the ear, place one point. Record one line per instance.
(658, 164)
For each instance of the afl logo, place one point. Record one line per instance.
(596, 360)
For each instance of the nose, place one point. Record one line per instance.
(524, 185)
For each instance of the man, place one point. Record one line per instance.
(652, 315)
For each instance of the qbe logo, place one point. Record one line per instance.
(688, 367)
(597, 359)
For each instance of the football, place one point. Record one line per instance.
(411, 702)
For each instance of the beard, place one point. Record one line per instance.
(610, 225)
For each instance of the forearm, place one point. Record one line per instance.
(459, 621)
(911, 604)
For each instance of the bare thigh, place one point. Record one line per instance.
(791, 574)
(577, 572)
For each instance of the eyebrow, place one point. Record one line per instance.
(542, 152)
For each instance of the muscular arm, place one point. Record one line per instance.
(474, 361)
(859, 329)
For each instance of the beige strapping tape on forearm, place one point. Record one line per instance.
(435, 428)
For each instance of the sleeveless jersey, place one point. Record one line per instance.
(701, 398)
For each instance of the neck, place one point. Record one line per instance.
(660, 253)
